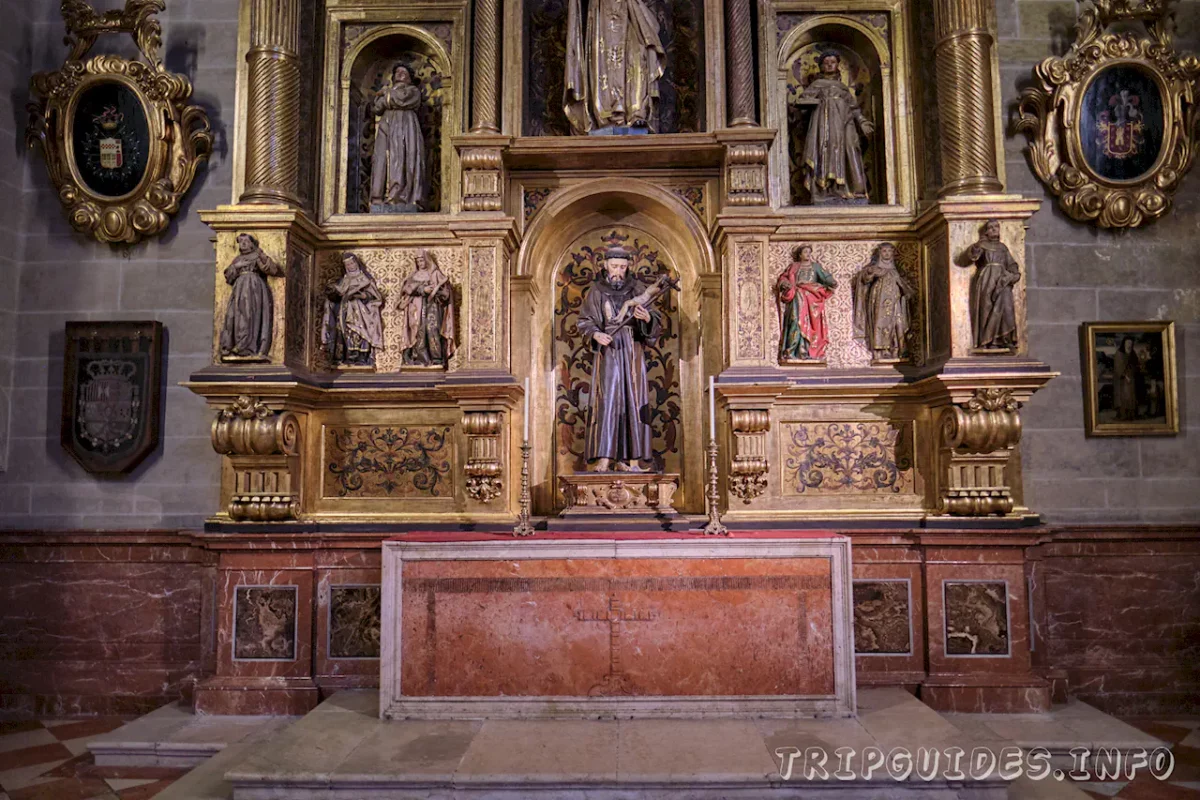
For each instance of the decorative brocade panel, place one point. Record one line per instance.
(296, 336)
(848, 458)
(748, 269)
(976, 618)
(882, 618)
(393, 461)
(573, 356)
(842, 260)
(482, 333)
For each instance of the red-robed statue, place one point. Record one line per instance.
(801, 292)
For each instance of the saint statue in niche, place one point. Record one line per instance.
(246, 335)
(833, 168)
(882, 299)
(801, 292)
(398, 180)
(353, 329)
(613, 67)
(993, 311)
(617, 316)
(993, 314)
(426, 309)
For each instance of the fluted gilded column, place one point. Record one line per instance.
(485, 103)
(965, 97)
(741, 64)
(273, 133)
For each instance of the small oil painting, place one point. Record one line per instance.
(1129, 379)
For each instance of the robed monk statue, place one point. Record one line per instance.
(618, 317)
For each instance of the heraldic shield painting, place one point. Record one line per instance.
(111, 393)
(112, 139)
(1121, 123)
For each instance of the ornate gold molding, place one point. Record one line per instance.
(977, 441)
(749, 467)
(1056, 111)
(261, 445)
(483, 468)
(483, 178)
(746, 174)
(172, 137)
(965, 97)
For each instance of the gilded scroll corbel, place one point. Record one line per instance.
(483, 468)
(748, 470)
(978, 438)
(262, 445)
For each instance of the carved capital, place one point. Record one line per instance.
(748, 470)
(977, 442)
(483, 468)
(483, 178)
(746, 174)
(249, 428)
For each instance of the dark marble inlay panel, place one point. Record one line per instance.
(881, 618)
(976, 618)
(354, 621)
(265, 623)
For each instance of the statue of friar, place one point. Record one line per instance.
(613, 66)
(833, 162)
(616, 316)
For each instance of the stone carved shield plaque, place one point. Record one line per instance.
(110, 411)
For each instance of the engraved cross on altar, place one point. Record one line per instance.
(616, 681)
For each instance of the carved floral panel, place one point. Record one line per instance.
(874, 457)
(390, 267)
(976, 618)
(842, 260)
(264, 623)
(573, 356)
(392, 461)
(882, 624)
(748, 272)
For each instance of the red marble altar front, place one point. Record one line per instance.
(630, 620)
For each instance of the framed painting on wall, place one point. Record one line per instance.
(1129, 379)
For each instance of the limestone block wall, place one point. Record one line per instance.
(51, 275)
(1078, 273)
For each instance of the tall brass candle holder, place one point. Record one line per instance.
(714, 526)
(523, 526)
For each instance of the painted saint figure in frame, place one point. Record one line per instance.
(618, 426)
(801, 293)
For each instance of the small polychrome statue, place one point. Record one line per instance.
(398, 179)
(993, 312)
(800, 294)
(353, 329)
(833, 167)
(246, 334)
(883, 306)
(426, 306)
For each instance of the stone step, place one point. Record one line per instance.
(172, 736)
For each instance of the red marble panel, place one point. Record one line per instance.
(603, 627)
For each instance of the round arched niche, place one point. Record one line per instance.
(654, 220)
(371, 69)
(863, 70)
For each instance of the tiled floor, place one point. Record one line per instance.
(1184, 736)
(49, 760)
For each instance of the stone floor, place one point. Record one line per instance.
(49, 759)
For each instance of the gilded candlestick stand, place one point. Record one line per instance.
(523, 526)
(714, 526)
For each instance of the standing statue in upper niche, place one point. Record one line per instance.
(250, 314)
(882, 306)
(613, 66)
(801, 292)
(833, 161)
(993, 313)
(398, 166)
(353, 330)
(616, 316)
(427, 315)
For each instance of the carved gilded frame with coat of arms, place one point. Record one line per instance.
(1112, 122)
(121, 143)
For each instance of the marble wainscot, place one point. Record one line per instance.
(640, 626)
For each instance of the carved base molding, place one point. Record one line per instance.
(263, 489)
(977, 442)
(619, 493)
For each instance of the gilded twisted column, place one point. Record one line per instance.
(741, 64)
(965, 97)
(273, 133)
(485, 102)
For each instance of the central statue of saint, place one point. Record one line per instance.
(618, 427)
(613, 66)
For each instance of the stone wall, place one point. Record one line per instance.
(1078, 273)
(52, 275)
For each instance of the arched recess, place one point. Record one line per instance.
(363, 69)
(633, 207)
(865, 52)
